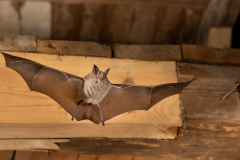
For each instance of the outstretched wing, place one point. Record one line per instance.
(128, 98)
(64, 88)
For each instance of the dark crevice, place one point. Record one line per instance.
(13, 156)
(113, 56)
(236, 34)
(181, 53)
(238, 90)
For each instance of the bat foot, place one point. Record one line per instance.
(103, 124)
(72, 118)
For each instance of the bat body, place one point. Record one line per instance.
(92, 97)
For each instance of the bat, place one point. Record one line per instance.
(92, 97)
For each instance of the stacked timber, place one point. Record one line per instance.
(201, 125)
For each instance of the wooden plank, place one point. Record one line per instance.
(210, 55)
(92, 22)
(144, 20)
(165, 3)
(105, 157)
(205, 94)
(122, 23)
(148, 52)
(18, 43)
(36, 19)
(6, 155)
(190, 144)
(27, 155)
(69, 130)
(66, 20)
(117, 23)
(16, 99)
(30, 144)
(208, 105)
(9, 23)
(188, 26)
(219, 37)
(73, 48)
(177, 25)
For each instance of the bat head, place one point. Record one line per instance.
(97, 77)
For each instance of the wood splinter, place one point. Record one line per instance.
(230, 92)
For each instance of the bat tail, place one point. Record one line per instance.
(26, 68)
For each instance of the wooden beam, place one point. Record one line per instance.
(30, 144)
(20, 106)
(87, 130)
(165, 3)
(6, 155)
(31, 155)
(190, 144)
(219, 37)
(73, 48)
(148, 52)
(18, 43)
(209, 55)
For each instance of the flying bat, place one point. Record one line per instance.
(92, 97)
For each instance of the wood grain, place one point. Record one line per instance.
(6, 155)
(192, 143)
(202, 99)
(73, 48)
(148, 52)
(19, 105)
(127, 22)
(68, 130)
(210, 55)
(18, 43)
(31, 155)
(30, 144)
(165, 3)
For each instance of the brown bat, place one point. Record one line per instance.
(91, 97)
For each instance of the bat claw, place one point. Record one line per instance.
(103, 124)
(72, 118)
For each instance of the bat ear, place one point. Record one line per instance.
(106, 72)
(95, 70)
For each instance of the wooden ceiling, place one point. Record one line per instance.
(119, 21)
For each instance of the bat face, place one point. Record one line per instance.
(96, 85)
(96, 78)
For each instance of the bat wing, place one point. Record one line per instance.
(64, 88)
(128, 98)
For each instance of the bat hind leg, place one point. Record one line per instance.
(99, 107)
(73, 116)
